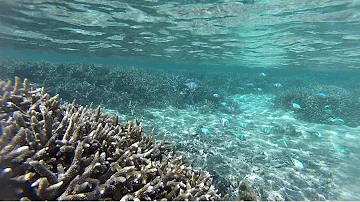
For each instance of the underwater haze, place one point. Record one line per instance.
(258, 92)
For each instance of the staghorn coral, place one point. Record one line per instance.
(55, 151)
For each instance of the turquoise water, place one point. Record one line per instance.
(287, 74)
(265, 34)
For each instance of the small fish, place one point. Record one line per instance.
(282, 143)
(279, 165)
(6, 171)
(240, 136)
(321, 95)
(278, 85)
(223, 103)
(341, 150)
(192, 106)
(224, 121)
(240, 99)
(258, 89)
(263, 74)
(277, 129)
(296, 105)
(216, 95)
(337, 121)
(297, 163)
(191, 85)
(265, 130)
(315, 133)
(249, 84)
(205, 131)
(230, 108)
(241, 88)
(243, 124)
(321, 197)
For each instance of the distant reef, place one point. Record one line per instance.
(131, 90)
(329, 104)
(123, 88)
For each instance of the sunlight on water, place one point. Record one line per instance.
(253, 33)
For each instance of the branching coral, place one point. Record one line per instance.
(55, 151)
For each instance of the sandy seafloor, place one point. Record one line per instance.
(330, 154)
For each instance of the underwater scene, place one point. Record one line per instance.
(180, 100)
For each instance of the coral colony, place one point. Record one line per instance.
(51, 150)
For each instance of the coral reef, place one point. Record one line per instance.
(51, 150)
(127, 89)
(321, 103)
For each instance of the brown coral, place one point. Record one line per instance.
(55, 151)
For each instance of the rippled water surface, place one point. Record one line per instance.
(249, 33)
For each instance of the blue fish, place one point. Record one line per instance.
(223, 103)
(265, 130)
(240, 99)
(337, 121)
(282, 143)
(205, 131)
(278, 85)
(240, 136)
(224, 121)
(341, 150)
(230, 108)
(258, 89)
(263, 74)
(192, 106)
(298, 164)
(315, 133)
(249, 84)
(216, 95)
(243, 124)
(191, 85)
(296, 105)
(321, 95)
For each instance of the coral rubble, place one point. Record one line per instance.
(51, 150)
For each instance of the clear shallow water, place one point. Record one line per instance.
(250, 33)
(313, 45)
